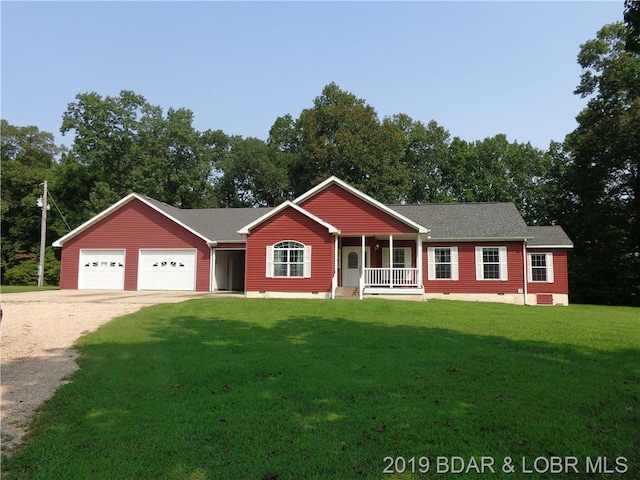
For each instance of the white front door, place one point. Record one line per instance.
(352, 265)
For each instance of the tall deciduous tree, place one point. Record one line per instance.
(495, 170)
(123, 144)
(425, 156)
(632, 20)
(28, 157)
(342, 135)
(252, 174)
(602, 181)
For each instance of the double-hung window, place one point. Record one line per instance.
(443, 263)
(401, 257)
(491, 263)
(289, 259)
(541, 267)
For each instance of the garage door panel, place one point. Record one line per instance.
(101, 270)
(167, 270)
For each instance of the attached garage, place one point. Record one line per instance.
(167, 269)
(101, 270)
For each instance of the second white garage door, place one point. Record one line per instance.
(167, 270)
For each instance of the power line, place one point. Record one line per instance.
(57, 208)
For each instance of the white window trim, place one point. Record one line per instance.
(431, 253)
(502, 252)
(549, 267)
(270, 264)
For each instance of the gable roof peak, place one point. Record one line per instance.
(287, 204)
(333, 180)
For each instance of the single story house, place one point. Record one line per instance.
(333, 240)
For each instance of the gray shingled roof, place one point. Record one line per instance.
(549, 236)
(219, 224)
(446, 221)
(468, 220)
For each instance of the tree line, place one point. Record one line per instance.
(588, 183)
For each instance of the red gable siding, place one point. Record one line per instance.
(560, 274)
(132, 227)
(467, 282)
(351, 214)
(290, 224)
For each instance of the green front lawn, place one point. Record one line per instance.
(290, 389)
(25, 288)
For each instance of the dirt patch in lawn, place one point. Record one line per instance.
(37, 356)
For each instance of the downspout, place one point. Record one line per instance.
(525, 270)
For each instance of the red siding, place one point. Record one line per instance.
(467, 282)
(290, 224)
(351, 214)
(560, 273)
(132, 227)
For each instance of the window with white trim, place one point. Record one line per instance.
(541, 267)
(289, 259)
(443, 263)
(401, 257)
(491, 263)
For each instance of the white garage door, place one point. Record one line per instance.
(101, 270)
(167, 270)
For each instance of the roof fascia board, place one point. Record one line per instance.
(105, 213)
(479, 239)
(247, 228)
(335, 180)
(530, 247)
(95, 219)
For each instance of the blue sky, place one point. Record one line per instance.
(477, 68)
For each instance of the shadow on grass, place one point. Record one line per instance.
(206, 397)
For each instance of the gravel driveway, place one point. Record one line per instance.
(37, 332)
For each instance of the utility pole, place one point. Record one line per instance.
(43, 235)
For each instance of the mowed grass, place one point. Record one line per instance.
(25, 288)
(291, 389)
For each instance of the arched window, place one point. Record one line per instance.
(289, 259)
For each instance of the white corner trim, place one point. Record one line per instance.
(335, 180)
(247, 228)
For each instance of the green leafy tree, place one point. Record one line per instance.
(341, 135)
(425, 156)
(602, 179)
(28, 157)
(495, 170)
(632, 20)
(124, 144)
(252, 174)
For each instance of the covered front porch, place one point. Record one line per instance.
(379, 264)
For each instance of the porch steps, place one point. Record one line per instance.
(347, 292)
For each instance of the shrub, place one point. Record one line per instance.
(26, 271)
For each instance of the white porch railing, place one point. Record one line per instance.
(391, 277)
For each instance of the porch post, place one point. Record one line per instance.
(391, 280)
(419, 259)
(362, 269)
(334, 281)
